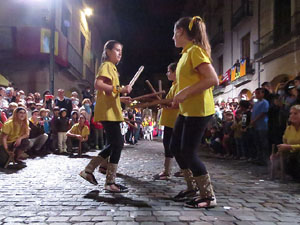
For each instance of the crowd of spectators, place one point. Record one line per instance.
(252, 130)
(35, 125)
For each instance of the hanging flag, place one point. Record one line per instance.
(233, 73)
(45, 41)
(220, 79)
(243, 67)
(226, 76)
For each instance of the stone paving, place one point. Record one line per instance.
(49, 191)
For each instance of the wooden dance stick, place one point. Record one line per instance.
(134, 121)
(148, 95)
(136, 76)
(160, 87)
(155, 102)
(152, 88)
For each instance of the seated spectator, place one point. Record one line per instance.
(37, 135)
(14, 136)
(291, 142)
(79, 133)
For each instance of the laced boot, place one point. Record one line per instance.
(110, 185)
(207, 197)
(87, 173)
(165, 175)
(191, 190)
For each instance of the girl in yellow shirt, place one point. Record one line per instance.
(15, 133)
(195, 77)
(109, 112)
(291, 137)
(167, 119)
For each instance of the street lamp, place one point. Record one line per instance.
(88, 11)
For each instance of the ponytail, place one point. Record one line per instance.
(196, 30)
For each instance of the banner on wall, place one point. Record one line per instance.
(45, 41)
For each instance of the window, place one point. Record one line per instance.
(282, 19)
(246, 47)
(65, 19)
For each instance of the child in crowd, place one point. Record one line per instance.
(62, 128)
(237, 134)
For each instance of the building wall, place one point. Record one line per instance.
(33, 74)
(231, 50)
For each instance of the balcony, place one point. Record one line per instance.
(283, 39)
(217, 39)
(218, 90)
(75, 59)
(246, 10)
(250, 71)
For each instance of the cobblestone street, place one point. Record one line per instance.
(49, 191)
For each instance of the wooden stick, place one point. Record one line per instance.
(148, 95)
(160, 87)
(152, 88)
(136, 76)
(155, 102)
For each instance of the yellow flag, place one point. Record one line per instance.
(45, 41)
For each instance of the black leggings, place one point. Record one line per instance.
(114, 141)
(166, 141)
(186, 140)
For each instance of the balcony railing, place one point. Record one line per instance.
(245, 10)
(217, 39)
(74, 58)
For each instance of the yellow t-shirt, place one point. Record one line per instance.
(84, 132)
(199, 105)
(108, 106)
(12, 130)
(168, 116)
(292, 137)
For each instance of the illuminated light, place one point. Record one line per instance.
(88, 11)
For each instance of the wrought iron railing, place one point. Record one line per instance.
(245, 10)
(217, 39)
(75, 59)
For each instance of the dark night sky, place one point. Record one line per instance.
(145, 28)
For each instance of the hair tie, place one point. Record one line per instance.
(195, 18)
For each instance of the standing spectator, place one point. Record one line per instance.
(98, 134)
(10, 94)
(54, 129)
(87, 106)
(48, 100)
(62, 128)
(259, 121)
(63, 102)
(86, 93)
(3, 101)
